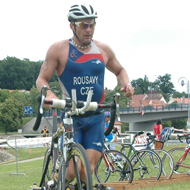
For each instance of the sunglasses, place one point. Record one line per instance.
(84, 25)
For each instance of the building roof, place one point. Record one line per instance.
(179, 100)
(139, 97)
(153, 99)
(27, 91)
(118, 123)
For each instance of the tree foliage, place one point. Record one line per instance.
(19, 74)
(141, 85)
(11, 113)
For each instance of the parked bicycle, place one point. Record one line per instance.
(113, 166)
(181, 155)
(146, 162)
(167, 160)
(54, 176)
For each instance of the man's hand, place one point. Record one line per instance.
(128, 89)
(50, 95)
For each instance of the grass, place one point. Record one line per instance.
(33, 171)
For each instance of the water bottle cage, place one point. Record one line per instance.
(68, 130)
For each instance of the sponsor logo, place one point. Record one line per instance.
(97, 144)
(97, 62)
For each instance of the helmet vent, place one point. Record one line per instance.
(74, 6)
(73, 10)
(85, 9)
(92, 10)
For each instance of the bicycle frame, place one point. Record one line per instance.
(107, 161)
(132, 149)
(53, 149)
(73, 107)
(178, 163)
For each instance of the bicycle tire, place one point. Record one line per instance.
(176, 154)
(75, 154)
(48, 173)
(167, 163)
(151, 165)
(104, 174)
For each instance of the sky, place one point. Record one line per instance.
(149, 37)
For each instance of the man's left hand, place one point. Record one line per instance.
(128, 89)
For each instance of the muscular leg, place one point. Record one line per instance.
(93, 156)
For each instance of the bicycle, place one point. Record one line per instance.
(113, 166)
(146, 161)
(181, 155)
(72, 153)
(167, 160)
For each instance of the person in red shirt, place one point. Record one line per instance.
(157, 131)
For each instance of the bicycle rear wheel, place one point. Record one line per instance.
(77, 158)
(176, 154)
(113, 166)
(167, 163)
(146, 164)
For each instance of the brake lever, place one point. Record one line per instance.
(43, 96)
(117, 97)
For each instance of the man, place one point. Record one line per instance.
(80, 64)
(45, 132)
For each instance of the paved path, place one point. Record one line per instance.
(22, 161)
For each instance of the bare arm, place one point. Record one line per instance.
(47, 70)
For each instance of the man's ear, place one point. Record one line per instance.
(71, 26)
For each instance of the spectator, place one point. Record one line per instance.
(45, 132)
(157, 131)
(110, 136)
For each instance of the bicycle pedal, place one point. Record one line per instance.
(34, 187)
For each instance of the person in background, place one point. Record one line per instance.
(109, 137)
(157, 131)
(45, 132)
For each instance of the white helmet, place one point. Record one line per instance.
(81, 11)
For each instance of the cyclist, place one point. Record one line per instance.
(80, 64)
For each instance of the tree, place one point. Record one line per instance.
(141, 85)
(179, 95)
(179, 123)
(11, 113)
(20, 74)
(164, 85)
(4, 94)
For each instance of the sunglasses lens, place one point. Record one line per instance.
(83, 25)
(92, 25)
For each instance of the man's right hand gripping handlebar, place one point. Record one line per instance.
(77, 107)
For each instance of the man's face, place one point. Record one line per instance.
(107, 119)
(84, 29)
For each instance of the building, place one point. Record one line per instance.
(154, 99)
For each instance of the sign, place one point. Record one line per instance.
(28, 110)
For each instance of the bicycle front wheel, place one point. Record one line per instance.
(113, 166)
(146, 164)
(47, 167)
(181, 163)
(78, 170)
(167, 163)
